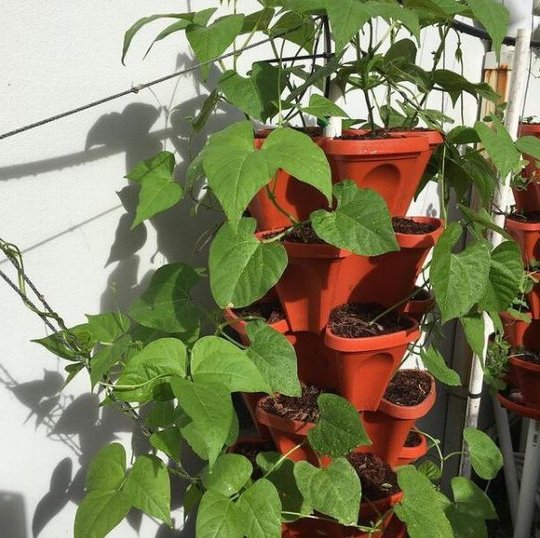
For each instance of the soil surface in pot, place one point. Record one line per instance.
(377, 477)
(271, 312)
(530, 217)
(527, 356)
(250, 449)
(310, 131)
(372, 135)
(354, 320)
(413, 439)
(403, 225)
(421, 295)
(408, 388)
(304, 409)
(303, 233)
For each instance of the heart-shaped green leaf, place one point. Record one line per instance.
(437, 367)
(229, 474)
(470, 499)
(213, 359)
(339, 429)
(107, 470)
(243, 268)
(334, 490)
(260, 507)
(219, 517)
(486, 458)
(459, 280)
(360, 223)
(275, 358)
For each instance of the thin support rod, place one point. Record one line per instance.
(505, 442)
(529, 482)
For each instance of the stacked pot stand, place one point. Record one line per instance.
(523, 394)
(345, 316)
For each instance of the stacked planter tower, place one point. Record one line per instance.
(523, 335)
(323, 293)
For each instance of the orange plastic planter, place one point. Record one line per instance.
(527, 235)
(391, 166)
(389, 426)
(306, 288)
(389, 278)
(520, 333)
(527, 376)
(410, 454)
(365, 366)
(417, 309)
(533, 297)
(287, 433)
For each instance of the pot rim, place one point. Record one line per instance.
(516, 225)
(240, 325)
(427, 240)
(282, 424)
(308, 250)
(422, 306)
(415, 452)
(412, 412)
(373, 343)
(379, 147)
(525, 365)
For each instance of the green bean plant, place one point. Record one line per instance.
(172, 366)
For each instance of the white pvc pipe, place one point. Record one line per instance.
(505, 442)
(502, 198)
(529, 481)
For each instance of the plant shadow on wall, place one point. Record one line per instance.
(78, 422)
(323, 245)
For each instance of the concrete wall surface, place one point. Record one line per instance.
(64, 201)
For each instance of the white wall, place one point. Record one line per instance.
(58, 203)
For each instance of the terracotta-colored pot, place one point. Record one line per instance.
(410, 454)
(519, 333)
(315, 361)
(528, 199)
(389, 278)
(296, 197)
(306, 288)
(518, 407)
(369, 512)
(365, 366)
(389, 426)
(240, 325)
(391, 166)
(527, 375)
(417, 309)
(527, 235)
(533, 297)
(287, 433)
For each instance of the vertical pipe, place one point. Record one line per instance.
(505, 442)
(529, 482)
(518, 84)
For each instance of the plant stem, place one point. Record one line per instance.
(282, 459)
(272, 198)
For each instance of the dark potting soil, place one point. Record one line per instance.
(303, 233)
(527, 356)
(304, 409)
(413, 439)
(377, 477)
(421, 295)
(371, 135)
(250, 449)
(403, 225)
(271, 312)
(530, 217)
(408, 388)
(354, 320)
(313, 132)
